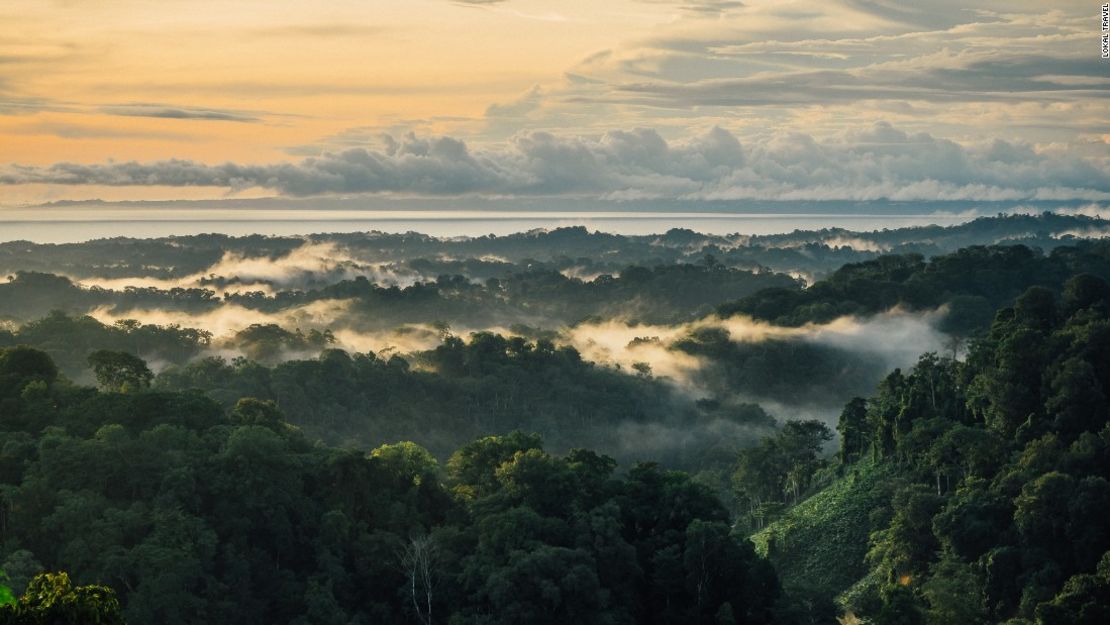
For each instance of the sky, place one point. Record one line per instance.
(622, 100)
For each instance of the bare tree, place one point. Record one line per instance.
(955, 343)
(419, 560)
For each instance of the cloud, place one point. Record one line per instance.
(616, 342)
(981, 80)
(17, 105)
(712, 7)
(701, 8)
(227, 319)
(523, 105)
(307, 266)
(92, 131)
(1017, 70)
(163, 111)
(875, 162)
(871, 345)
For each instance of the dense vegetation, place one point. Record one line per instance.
(484, 384)
(994, 497)
(236, 485)
(52, 599)
(70, 340)
(973, 283)
(196, 516)
(412, 257)
(661, 294)
(539, 278)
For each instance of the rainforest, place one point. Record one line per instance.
(562, 426)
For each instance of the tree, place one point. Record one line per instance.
(419, 561)
(899, 607)
(547, 585)
(758, 477)
(120, 372)
(905, 549)
(854, 435)
(252, 411)
(953, 594)
(1036, 308)
(407, 462)
(473, 468)
(1041, 510)
(1084, 291)
(24, 364)
(973, 520)
(538, 480)
(1084, 600)
(801, 442)
(779, 468)
(719, 572)
(1012, 387)
(51, 599)
(883, 412)
(1077, 402)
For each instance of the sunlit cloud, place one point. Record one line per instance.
(496, 90)
(877, 162)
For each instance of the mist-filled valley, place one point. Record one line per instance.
(537, 312)
(898, 426)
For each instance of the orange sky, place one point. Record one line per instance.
(270, 81)
(307, 70)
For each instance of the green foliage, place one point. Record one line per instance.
(779, 468)
(1084, 599)
(197, 516)
(489, 384)
(270, 342)
(252, 411)
(783, 370)
(998, 467)
(51, 599)
(6, 596)
(70, 339)
(972, 281)
(120, 371)
(969, 491)
(820, 543)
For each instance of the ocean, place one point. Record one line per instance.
(76, 225)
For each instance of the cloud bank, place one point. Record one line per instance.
(876, 162)
(895, 338)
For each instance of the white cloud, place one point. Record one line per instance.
(873, 162)
(895, 338)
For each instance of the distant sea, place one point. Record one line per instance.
(70, 225)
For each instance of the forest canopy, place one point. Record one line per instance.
(195, 514)
(918, 437)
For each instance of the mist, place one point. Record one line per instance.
(312, 264)
(874, 345)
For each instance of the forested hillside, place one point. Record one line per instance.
(993, 500)
(537, 296)
(972, 282)
(411, 257)
(194, 515)
(537, 312)
(265, 476)
(487, 384)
